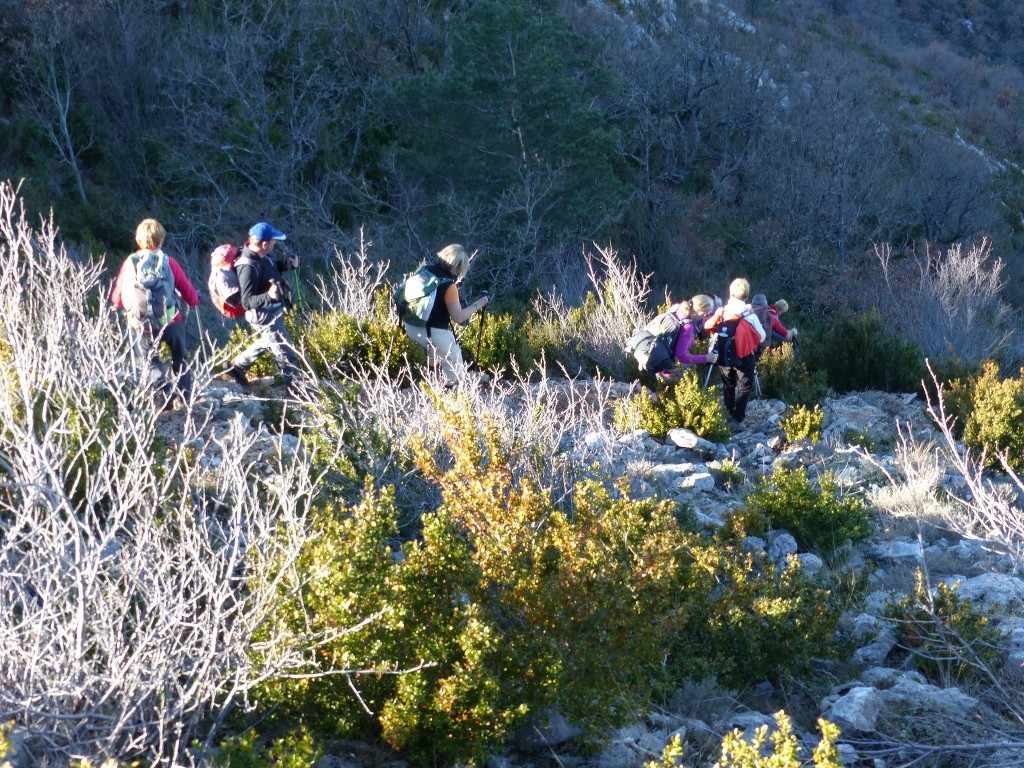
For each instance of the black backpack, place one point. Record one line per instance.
(653, 346)
(728, 354)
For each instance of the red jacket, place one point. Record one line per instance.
(182, 285)
(777, 325)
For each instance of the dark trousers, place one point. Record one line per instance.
(737, 381)
(147, 353)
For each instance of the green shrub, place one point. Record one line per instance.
(948, 639)
(348, 444)
(744, 621)
(335, 343)
(864, 352)
(995, 420)
(683, 403)
(802, 423)
(738, 752)
(241, 337)
(820, 518)
(343, 578)
(784, 376)
(296, 749)
(503, 605)
(785, 749)
(502, 338)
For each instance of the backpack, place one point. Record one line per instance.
(653, 346)
(223, 284)
(415, 296)
(763, 313)
(737, 340)
(148, 296)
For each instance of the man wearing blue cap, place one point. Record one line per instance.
(264, 294)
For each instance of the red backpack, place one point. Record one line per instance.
(223, 283)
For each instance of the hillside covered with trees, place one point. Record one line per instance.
(779, 140)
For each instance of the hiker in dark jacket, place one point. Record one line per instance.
(264, 295)
(147, 333)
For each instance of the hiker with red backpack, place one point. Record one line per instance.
(150, 287)
(738, 335)
(264, 294)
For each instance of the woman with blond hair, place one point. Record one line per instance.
(434, 332)
(691, 314)
(739, 334)
(150, 288)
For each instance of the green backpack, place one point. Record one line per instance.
(148, 295)
(414, 297)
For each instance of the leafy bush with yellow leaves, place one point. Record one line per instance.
(683, 403)
(802, 423)
(821, 518)
(508, 601)
(991, 410)
(737, 752)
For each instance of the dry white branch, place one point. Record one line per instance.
(135, 571)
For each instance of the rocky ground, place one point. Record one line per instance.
(860, 689)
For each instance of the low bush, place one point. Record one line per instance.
(950, 642)
(335, 343)
(992, 412)
(497, 339)
(820, 518)
(785, 750)
(861, 352)
(683, 403)
(784, 376)
(296, 749)
(745, 621)
(802, 423)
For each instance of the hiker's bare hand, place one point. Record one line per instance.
(484, 300)
(293, 262)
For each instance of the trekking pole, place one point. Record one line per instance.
(712, 343)
(480, 333)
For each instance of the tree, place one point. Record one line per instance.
(506, 131)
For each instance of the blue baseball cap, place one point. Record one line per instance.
(263, 231)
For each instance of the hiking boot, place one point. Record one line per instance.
(735, 426)
(238, 375)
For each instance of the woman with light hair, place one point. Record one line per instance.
(691, 314)
(739, 333)
(436, 334)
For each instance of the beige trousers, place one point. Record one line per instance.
(442, 349)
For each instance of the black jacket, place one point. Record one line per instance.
(254, 281)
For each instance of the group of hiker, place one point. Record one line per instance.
(739, 332)
(151, 288)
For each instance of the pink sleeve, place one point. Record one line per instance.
(683, 343)
(115, 291)
(182, 284)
